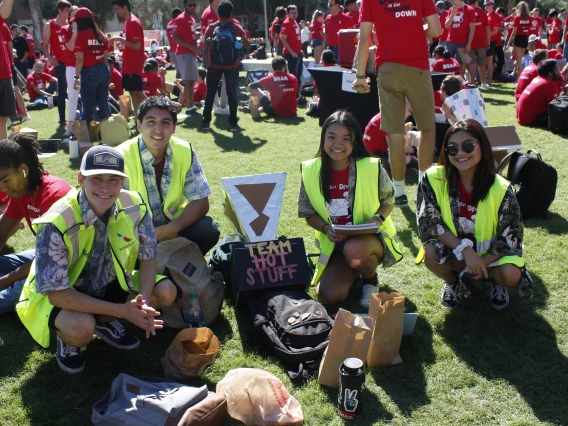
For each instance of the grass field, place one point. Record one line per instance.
(473, 366)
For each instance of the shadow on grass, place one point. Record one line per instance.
(292, 121)
(498, 102)
(405, 233)
(372, 412)
(516, 345)
(237, 141)
(15, 347)
(554, 224)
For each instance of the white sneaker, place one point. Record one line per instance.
(484, 86)
(68, 132)
(368, 291)
(222, 110)
(26, 118)
(50, 102)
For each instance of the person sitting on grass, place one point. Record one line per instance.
(445, 62)
(153, 78)
(470, 221)
(85, 243)
(40, 88)
(32, 192)
(280, 98)
(343, 185)
(200, 87)
(529, 73)
(166, 172)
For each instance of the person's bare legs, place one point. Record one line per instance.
(490, 69)
(317, 54)
(444, 271)
(518, 53)
(138, 97)
(397, 158)
(20, 101)
(188, 93)
(3, 130)
(426, 147)
(364, 253)
(336, 281)
(507, 275)
(75, 328)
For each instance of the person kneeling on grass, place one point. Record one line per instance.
(83, 277)
(343, 185)
(470, 221)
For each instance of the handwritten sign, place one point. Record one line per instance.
(268, 264)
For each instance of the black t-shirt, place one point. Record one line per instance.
(21, 46)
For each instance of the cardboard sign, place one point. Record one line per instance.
(253, 204)
(268, 264)
(467, 103)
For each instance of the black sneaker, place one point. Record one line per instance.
(205, 126)
(401, 201)
(190, 112)
(115, 335)
(235, 128)
(499, 298)
(450, 295)
(69, 358)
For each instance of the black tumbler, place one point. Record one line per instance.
(351, 384)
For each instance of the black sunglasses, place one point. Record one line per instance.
(467, 147)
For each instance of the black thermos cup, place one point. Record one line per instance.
(351, 384)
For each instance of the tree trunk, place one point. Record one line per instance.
(37, 29)
(510, 6)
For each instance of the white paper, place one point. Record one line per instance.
(348, 80)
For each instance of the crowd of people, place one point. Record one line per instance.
(96, 246)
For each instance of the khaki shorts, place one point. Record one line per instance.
(478, 56)
(396, 83)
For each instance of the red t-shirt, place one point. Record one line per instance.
(93, 50)
(187, 30)
(116, 78)
(554, 32)
(159, 170)
(536, 26)
(523, 26)
(57, 41)
(535, 99)
(407, 19)
(199, 90)
(445, 31)
(4, 198)
(274, 33)
(338, 206)
(169, 31)
(282, 88)
(315, 29)
(529, 74)
(438, 101)
(509, 20)
(208, 17)
(71, 59)
(375, 139)
(481, 23)
(447, 65)
(151, 82)
(495, 21)
(467, 213)
(5, 71)
(239, 32)
(335, 23)
(133, 60)
(540, 45)
(554, 54)
(459, 30)
(40, 81)
(29, 38)
(355, 19)
(7, 35)
(51, 189)
(291, 30)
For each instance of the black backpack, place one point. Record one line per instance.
(558, 115)
(534, 180)
(294, 327)
(220, 257)
(223, 52)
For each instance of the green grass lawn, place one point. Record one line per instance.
(471, 366)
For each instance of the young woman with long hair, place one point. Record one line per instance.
(316, 30)
(520, 35)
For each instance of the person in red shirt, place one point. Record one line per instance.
(557, 52)
(185, 35)
(291, 39)
(115, 86)
(479, 45)
(32, 192)
(39, 89)
(280, 99)
(520, 34)
(461, 23)
(275, 28)
(352, 11)
(403, 72)
(133, 54)
(21, 110)
(445, 62)
(91, 50)
(208, 17)
(152, 81)
(200, 87)
(169, 33)
(536, 23)
(554, 28)
(316, 31)
(495, 33)
(334, 22)
(508, 22)
(25, 32)
(529, 73)
(532, 108)
(442, 15)
(8, 104)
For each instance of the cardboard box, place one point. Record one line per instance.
(32, 132)
(84, 147)
(503, 139)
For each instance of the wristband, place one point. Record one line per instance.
(323, 226)
(380, 217)
(459, 249)
(361, 77)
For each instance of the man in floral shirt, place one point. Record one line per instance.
(87, 247)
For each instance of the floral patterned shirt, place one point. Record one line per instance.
(195, 186)
(52, 256)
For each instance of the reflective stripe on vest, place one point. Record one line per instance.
(486, 217)
(34, 308)
(182, 159)
(365, 206)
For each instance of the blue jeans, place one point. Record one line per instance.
(10, 296)
(295, 67)
(61, 90)
(565, 54)
(94, 91)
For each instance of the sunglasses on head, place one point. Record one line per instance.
(468, 146)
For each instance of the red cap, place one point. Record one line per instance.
(83, 12)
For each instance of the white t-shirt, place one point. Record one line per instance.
(305, 34)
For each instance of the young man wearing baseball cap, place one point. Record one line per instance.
(88, 245)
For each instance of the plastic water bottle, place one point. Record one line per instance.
(194, 313)
(239, 46)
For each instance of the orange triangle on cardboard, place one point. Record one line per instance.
(257, 194)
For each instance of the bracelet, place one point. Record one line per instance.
(380, 217)
(361, 77)
(323, 226)
(459, 249)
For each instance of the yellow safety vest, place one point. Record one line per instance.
(34, 308)
(365, 205)
(486, 217)
(175, 200)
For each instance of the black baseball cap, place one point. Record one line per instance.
(102, 159)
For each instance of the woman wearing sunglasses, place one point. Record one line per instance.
(470, 221)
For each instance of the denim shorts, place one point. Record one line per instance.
(453, 48)
(316, 42)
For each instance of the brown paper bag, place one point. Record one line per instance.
(81, 131)
(192, 350)
(350, 338)
(387, 311)
(125, 106)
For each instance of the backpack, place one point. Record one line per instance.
(222, 52)
(558, 115)
(534, 180)
(220, 257)
(114, 130)
(293, 326)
